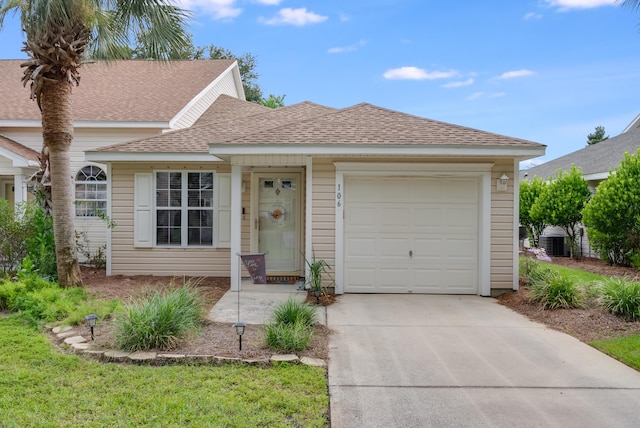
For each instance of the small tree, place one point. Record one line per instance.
(596, 136)
(273, 101)
(561, 203)
(613, 214)
(529, 193)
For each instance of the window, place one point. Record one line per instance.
(91, 192)
(184, 208)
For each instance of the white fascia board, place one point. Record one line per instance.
(597, 176)
(381, 150)
(204, 92)
(16, 160)
(149, 157)
(88, 124)
(393, 168)
(238, 80)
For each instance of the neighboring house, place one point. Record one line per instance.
(115, 102)
(394, 203)
(596, 162)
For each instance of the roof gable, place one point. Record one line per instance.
(147, 91)
(226, 107)
(19, 154)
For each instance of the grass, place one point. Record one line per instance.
(557, 291)
(292, 326)
(42, 387)
(621, 298)
(624, 349)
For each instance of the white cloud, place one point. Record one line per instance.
(350, 48)
(458, 84)
(344, 17)
(579, 4)
(532, 15)
(219, 9)
(269, 2)
(298, 17)
(415, 73)
(514, 74)
(478, 95)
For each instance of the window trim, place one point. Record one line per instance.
(184, 209)
(76, 201)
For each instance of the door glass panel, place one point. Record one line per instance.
(278, 216)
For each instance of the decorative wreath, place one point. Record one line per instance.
(277, 214)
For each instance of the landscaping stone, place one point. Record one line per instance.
(200, 359)
(61, 329)
(285, 358)
(117, 356)
(80, 347)
(171, 357)
(142, 357)
(93, 353)
(74, 339)
(228, 360)
(314, 362)
(66, 334)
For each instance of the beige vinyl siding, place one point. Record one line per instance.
(502, 228)
(225, 85)
(6, 167)
(95, 231)
(323, 211)
(127, 260)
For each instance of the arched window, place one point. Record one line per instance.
(91, 191)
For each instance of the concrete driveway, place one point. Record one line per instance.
(466, 361)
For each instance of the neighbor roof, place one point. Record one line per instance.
(595, 160)
(18, 149)
(128, 91)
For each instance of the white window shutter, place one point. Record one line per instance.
(143, 204)
(223, 225)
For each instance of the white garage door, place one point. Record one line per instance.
(411, 235)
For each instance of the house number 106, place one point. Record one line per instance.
(339, 196)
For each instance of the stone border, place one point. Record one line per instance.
(79, 345)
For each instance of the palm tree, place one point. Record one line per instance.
(60, 34)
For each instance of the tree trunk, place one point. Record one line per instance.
(57, 133)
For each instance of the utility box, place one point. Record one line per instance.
(554, 245)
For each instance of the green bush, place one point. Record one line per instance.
(292, 311)
(621, 298)
(48, 304)
(9, 290)
(288, 337)
(42, 247)
(536, 273)
(159, 321)
(102, 308)
(612, 214)
(556, 291)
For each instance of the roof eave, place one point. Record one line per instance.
(11, 123)
(104, 156)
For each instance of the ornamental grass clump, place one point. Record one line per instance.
(556, 291)
(621, 298)
(292, 326)
(160, 321)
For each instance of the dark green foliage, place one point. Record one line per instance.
(596, 136)
(612, 216)
(42, 246)
(556, 291)
(621, 298)
(529, 193)
(561, 203)
(273, 101)
(159, 321)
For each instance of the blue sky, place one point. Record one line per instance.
(545, 70)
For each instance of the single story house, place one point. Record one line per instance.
(394, 203)
(596, 162)
(115, 102)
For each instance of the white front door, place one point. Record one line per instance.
(278, 220)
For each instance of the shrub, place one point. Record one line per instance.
(535, 272)
(292, 311)
(48, 304)
(612, 214)
(621, 298)
(8, 292)
(288, 337)
(553, 291)
(159, 321)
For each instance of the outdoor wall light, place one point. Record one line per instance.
(501, 183)
(91, 320)
(240, 326)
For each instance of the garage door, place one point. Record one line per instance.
(411, 235)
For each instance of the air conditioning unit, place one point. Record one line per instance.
(554, 246)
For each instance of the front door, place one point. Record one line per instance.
(278, 220)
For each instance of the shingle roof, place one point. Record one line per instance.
(137, 91)
(309, 123)
(197, 138)
(594, 159)
(226, 107)
(18, 149)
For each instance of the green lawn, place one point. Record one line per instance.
(40, 386)
(625, 349)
